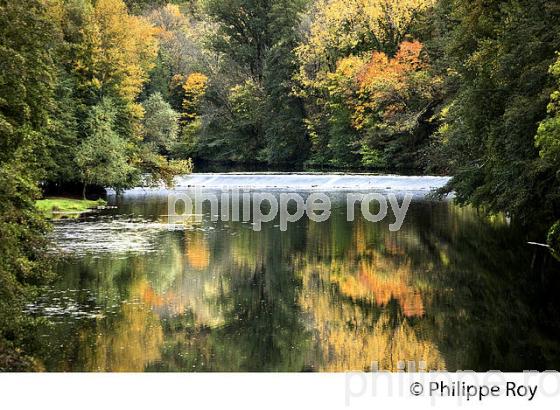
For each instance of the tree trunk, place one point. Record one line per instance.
(84, 191)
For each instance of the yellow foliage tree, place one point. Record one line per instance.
(350, 27)
(117, 52)
(194, 89)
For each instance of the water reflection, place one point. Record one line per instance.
(451, 289)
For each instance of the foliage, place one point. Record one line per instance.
(27, 76)
(71, 73)
(193, 89)
(548, 143)
(343, 28)
(102, 156)
(250, 113)
(244, 32)
(548, 133)
(160, 123)
(345, 96)
(140, 6)
(114, 93)
(116, 52)
(397, 96)
(501, 52)
(554, 239)
(162, 170)
(107, 57)
(240, 125)
(181, 52)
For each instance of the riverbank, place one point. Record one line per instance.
(60, 207)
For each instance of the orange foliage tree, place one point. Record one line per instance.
(395, 100)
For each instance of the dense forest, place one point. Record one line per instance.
(113, 93)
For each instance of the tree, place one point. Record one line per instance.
(27, 83)
(287, 141)
(141, 6)
(501, 53)
(243, 33)
(111, 53)
(395, 105)
(253, 114)
(161, 123)
(116, 52)
(338, 111)
(548, 143)
(548, 133)
(181, 50)
(338, 39)
(70, 75)
(103, 157)
(194, 89)
(341, 28)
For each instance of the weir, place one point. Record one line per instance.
(301, 181)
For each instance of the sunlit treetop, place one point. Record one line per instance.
(344, 27)
(118, 49)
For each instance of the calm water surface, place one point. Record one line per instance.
(451, 289)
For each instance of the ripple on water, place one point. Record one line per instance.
(63, 304)
(113, 236)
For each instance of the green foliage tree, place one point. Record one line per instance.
(548, 143)
(102, 157)
(160, 123)
(262, 120)
(285, 134)
(27, 84)
(235, 133)
(548, 133)
(244, 32)
(501, 53)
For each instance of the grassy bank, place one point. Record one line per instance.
(66, 207)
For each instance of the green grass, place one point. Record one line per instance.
(68, 207)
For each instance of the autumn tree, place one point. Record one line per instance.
(194, 88)
(116, 51)
(110, 56)
(343, 28)
(338, 41)
(397, 97)
(181, 51)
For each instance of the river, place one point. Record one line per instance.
(451, 290)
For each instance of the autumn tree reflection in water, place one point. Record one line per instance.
(451, 289)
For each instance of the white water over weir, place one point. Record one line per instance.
(420, 185)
